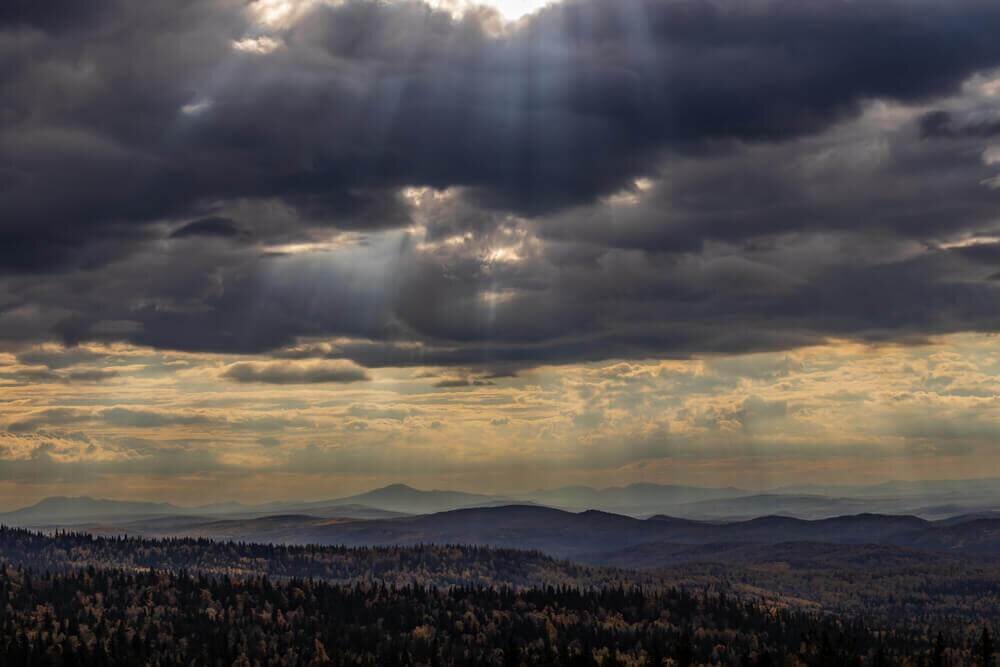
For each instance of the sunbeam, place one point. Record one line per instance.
(511, 10)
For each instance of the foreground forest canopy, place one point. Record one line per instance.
(112, 617)
(72, 599)
(891, 586)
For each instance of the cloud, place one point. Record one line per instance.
(94, 375)
(45, 465)
(268, 442)
(56, 358)
(285, 372)
(944, 124)
(215, 227)
(132, 418)
(46, 418)
(376, 412)
(458, 383)
(54, 17)
(523, 128)
(27, 376)
(116, 416)
(818, 411)
(627, 180)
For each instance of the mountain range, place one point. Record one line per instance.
(929, 500)
(590, 536)
(642, 525)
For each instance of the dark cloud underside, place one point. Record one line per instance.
(154, 174)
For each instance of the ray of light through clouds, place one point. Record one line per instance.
(300, 248)
(277, 14)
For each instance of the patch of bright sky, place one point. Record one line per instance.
(509, 9)
(277, 14)
(832, 413)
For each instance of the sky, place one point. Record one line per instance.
(283, 249)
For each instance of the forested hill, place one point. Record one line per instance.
(75, 599)
(429, 565)
(105, 617)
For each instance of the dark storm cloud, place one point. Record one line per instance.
(655, 340)
(856, 179)
(986, 255)
(289, 373)
(938, 124)
(53, 15)
(146, 111)
(209, 227)
(777, 214)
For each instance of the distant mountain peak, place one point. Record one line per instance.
(56, 500)
(396, 487)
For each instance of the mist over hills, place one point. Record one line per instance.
(697, 535)
(601, 536)
(632, 499)
(927, 499)
(406, 499)
(591, 536)
(390, 501)
(70, 510)
(986, 487)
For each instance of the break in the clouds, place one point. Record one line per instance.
(329, 193)
(173, 425)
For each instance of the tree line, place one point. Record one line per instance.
(59, 611)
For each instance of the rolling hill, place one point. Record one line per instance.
(593, 536)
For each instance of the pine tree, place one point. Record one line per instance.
(937, 657)
(986, 648)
